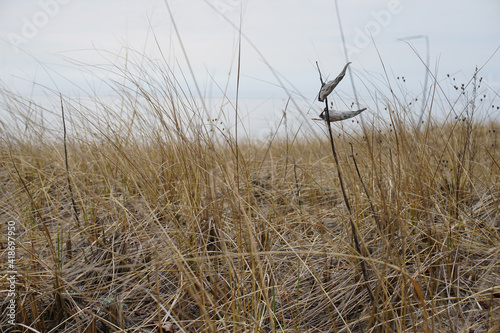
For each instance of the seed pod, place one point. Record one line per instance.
(328, 87)
(339, 115)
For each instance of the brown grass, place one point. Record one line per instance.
(171, 235)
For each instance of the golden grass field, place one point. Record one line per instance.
(176, 227)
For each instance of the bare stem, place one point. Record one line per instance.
(344, 195)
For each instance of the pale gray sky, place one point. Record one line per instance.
(46, 37)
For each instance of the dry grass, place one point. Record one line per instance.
(177, 230)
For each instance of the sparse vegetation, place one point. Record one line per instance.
(171, 231)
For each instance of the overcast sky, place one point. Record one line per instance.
(43, 41)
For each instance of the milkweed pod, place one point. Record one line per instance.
(328, 87)
(339, 115)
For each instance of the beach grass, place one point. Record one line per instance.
(160, 221)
